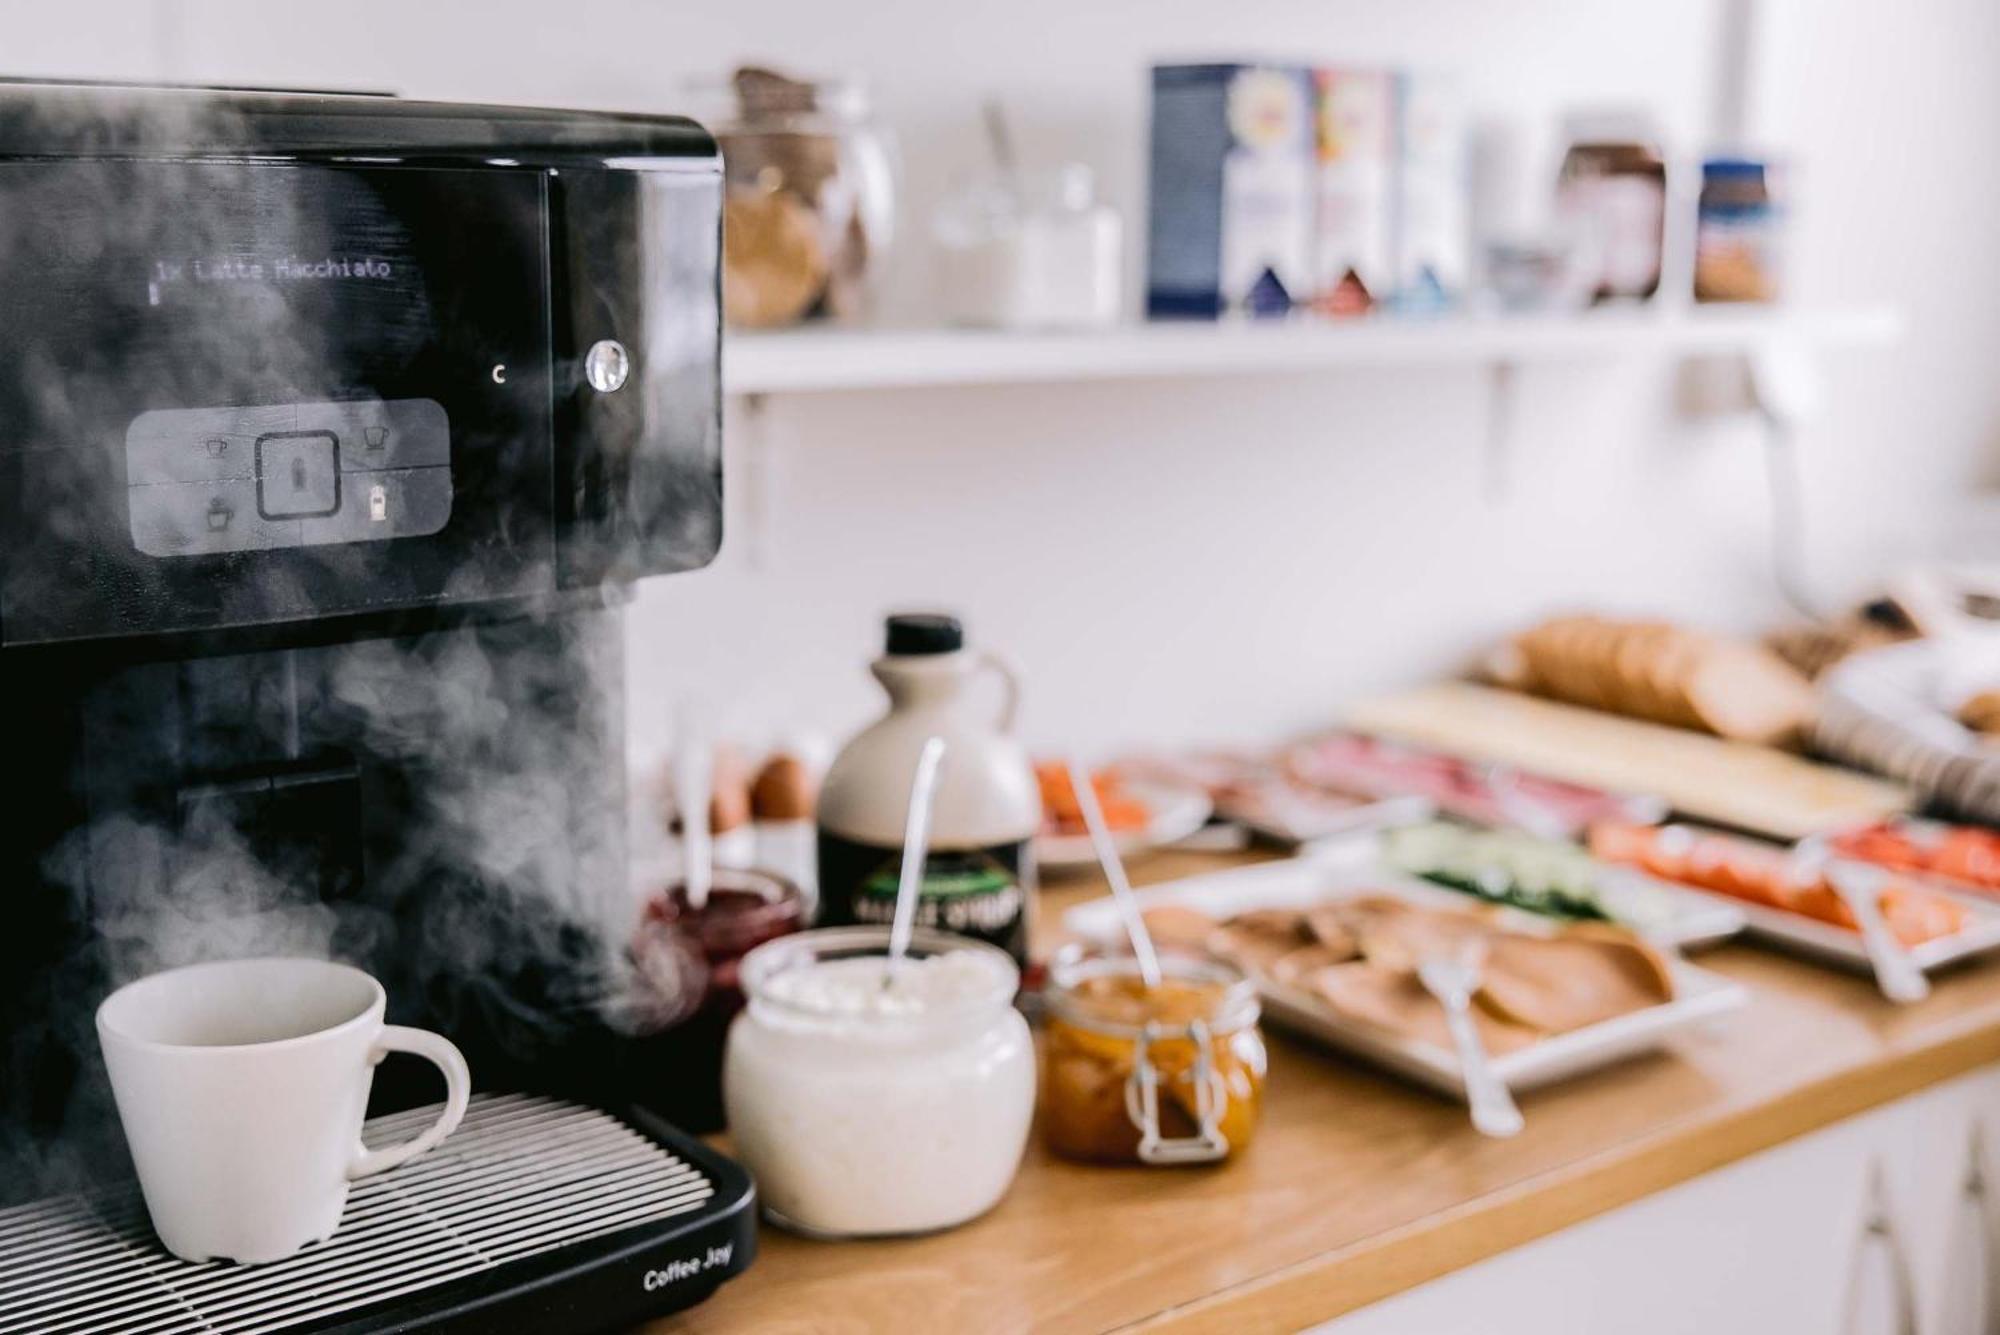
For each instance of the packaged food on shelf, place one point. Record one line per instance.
(1487, 794)
(1354, 255)
(1169, 1073)
(1232, 165)
(1738, 232)
(1663, 673)
(1433, 240)
(810, 205)
(1522, 261)
(1611, 200)
(872, 1097)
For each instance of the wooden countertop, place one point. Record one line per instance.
(1359, 1186)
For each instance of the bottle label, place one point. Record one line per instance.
(979, 892)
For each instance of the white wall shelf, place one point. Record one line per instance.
(837, 359)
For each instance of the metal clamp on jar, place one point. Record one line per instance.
(1142, 1102)
(1171, 1074)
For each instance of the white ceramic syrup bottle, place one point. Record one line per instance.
(979, 879)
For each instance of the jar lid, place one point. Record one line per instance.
(755, 99)
(843, 974)
(1105, 994)
(923, 633)
(1733, 169)
(1611, 125)
(745, 907)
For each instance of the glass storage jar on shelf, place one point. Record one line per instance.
(1169, 1074)
(1029, 250)
(1738, 228)
(809, 208)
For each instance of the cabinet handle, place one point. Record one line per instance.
(1878, 1229)
(1972, 1199)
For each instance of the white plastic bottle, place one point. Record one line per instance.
(979, 879)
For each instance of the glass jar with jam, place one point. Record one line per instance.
(1168, 1074)
(686, 960)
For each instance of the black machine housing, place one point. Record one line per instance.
(334, 431)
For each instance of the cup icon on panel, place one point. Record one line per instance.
(376, 436)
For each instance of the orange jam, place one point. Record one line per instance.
(1102, 1016)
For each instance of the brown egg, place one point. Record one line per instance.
(784, 790)
(729, 806)
(729, 794)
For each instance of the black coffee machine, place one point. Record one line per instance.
(335, 431)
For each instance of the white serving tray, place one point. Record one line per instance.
(1837, 945)
(1700, 994)
(1699, 919)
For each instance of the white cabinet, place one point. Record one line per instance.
(1790, 1240)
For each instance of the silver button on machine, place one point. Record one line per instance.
(606, 365)
(298, 474)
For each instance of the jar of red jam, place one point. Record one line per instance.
(688, 959)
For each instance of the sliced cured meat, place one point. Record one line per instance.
(1583, 977)
(1393, 1000)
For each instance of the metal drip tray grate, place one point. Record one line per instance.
(522, 1176)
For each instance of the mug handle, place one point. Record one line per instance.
(444, 1053)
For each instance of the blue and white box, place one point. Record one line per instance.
(1233, 185)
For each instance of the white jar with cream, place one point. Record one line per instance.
(869, 1099)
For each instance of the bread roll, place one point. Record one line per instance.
(1663, 673)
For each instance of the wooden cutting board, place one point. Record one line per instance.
(1704, 778)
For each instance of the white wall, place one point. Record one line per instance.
(1231, 557)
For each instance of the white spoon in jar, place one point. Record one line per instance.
(1114, 872)
(916, 852)
(694, 791)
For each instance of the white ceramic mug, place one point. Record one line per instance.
(242, 1086)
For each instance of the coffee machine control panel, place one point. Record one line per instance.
(205, 480)
(271, 361)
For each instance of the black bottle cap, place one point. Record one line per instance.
(925, 633)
